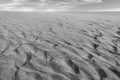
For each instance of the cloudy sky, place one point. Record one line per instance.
(63, 5)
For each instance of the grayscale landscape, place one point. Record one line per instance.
(59, 46)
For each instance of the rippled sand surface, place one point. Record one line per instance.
(59, 46)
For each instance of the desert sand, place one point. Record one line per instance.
(59, 46)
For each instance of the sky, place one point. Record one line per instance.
(61, 5)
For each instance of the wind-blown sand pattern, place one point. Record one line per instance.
(59, 46)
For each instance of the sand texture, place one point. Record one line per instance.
(59, 46)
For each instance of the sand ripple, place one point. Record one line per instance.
(59, 47)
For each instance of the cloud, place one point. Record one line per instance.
(92, 1)
(107, 10)
(57, 5)
(19, 6)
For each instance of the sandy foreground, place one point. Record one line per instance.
(59, 46)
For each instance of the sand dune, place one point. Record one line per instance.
(59, 46)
